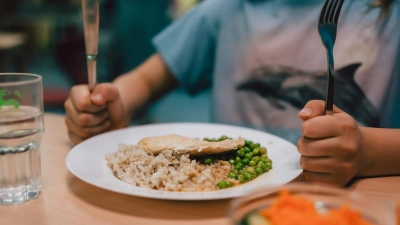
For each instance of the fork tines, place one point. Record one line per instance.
(330, 11)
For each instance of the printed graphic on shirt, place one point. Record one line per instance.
(296, 87)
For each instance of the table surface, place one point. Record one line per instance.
(66, 199)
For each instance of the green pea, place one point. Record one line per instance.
(231, 161)
(263, 150)
(267, 161)
(250, 169)
(238, 159)
(248, 155)
(241, 179)
(229, 184)
(245, 161)
(264, 156)
(259, 170)
(222, 184)
(233, 175)
(206, 139)
(248, 176)
(239, 166)
(256, 159)
(208, 160)
(252, 146)
(266, 168)
(224, 137)
(252, 163)
(253, 176)
(240, 153)
(247, 142)
(256, 151)
(258, 145)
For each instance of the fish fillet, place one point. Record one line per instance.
(189, 145)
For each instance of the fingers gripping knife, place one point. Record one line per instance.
(90, 16)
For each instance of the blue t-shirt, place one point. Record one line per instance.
(264, 60)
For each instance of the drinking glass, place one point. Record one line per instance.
(21, 130)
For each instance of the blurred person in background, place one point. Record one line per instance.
(136, 24)
(264, 61)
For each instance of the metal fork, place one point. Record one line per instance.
(327, 28)
(90, 15)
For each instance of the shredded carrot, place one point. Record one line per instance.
(289, 209)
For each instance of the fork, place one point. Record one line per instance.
(327, 28)
(90, 16)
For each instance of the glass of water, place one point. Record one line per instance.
(21, 130)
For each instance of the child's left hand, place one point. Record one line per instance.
(331, 146)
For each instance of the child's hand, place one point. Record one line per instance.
(89, 114)
(330, 148)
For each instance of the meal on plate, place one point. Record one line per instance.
(290, 209)
(179, 163)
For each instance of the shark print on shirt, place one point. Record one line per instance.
(296, 87)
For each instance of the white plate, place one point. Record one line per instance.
(86, 160)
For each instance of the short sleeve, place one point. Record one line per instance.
(187, 47)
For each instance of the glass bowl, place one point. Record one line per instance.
(373, 210)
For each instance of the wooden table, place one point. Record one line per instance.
(67, 200)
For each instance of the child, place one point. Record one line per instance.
(264, 61)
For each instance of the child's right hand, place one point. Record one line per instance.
(331, 146)
(91, 113)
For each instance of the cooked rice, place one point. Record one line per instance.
(169, 170)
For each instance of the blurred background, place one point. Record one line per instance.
(45, 37)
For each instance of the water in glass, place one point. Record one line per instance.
(20, 134)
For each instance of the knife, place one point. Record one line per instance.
(90, 15)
